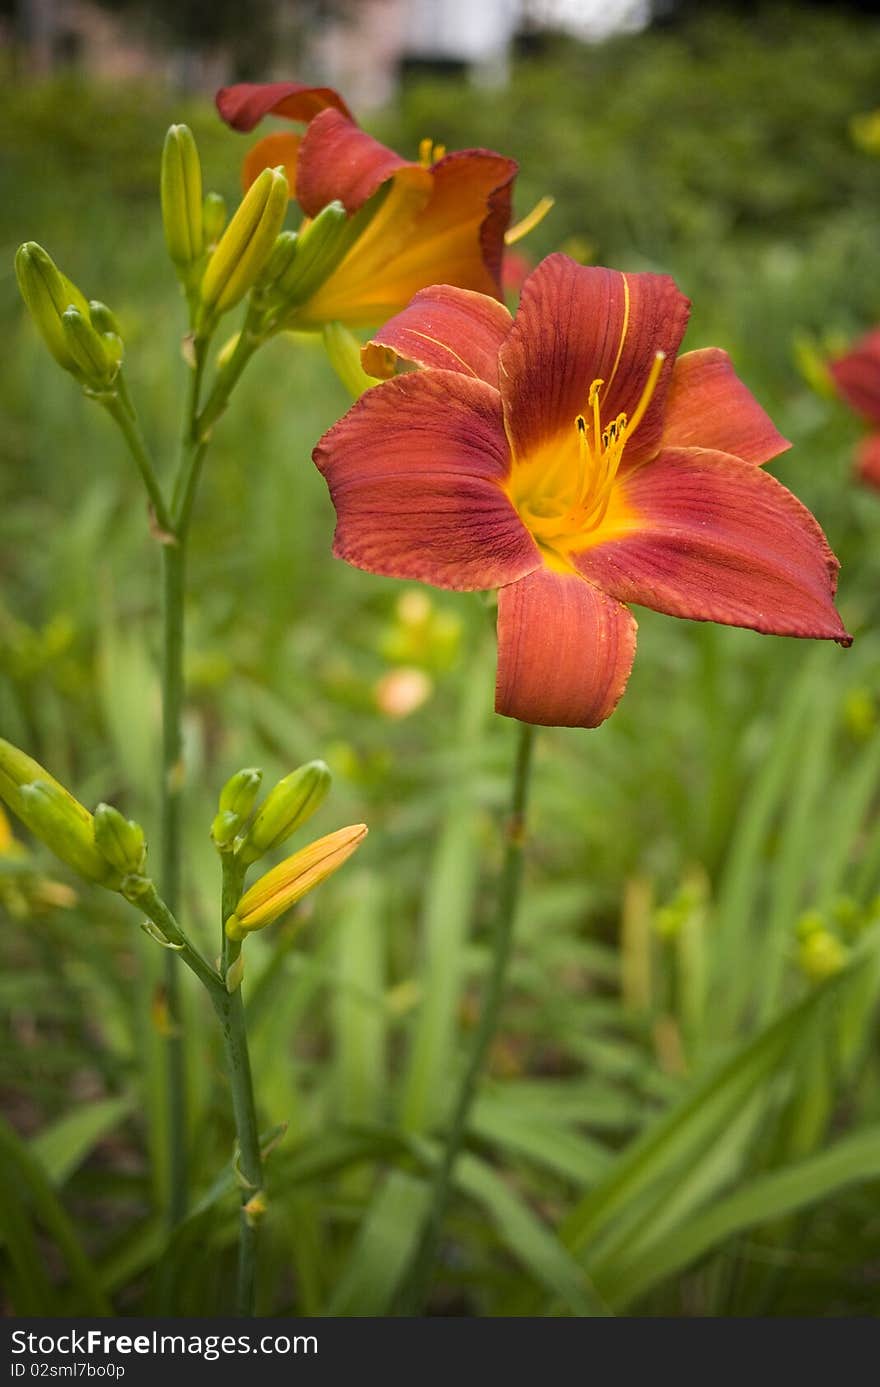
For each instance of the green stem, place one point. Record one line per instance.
(230, 1009)
(171, 788)
(120, 409)
(228, 376)
(419, 1280)
(145, 897)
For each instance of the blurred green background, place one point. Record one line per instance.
(683, 1111)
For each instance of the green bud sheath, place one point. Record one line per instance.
(287, 807)
(48, 294)
(121, 841)
(246, 243)
(320, 248)
(181, 192)
(344, 352)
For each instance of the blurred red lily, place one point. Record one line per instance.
(857, 377)
(566, 458)
(443, 219)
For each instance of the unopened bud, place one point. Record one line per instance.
(319, 249)
(181, 192)
(286, 808)
(280, 259)
(237, 799)
(274, 894)
(344, 353)
(213, 219)
(47, 294)
(246, 243)
(120, 840)
(97, 364)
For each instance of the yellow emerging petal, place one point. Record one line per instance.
(274, 894)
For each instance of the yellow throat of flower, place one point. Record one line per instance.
(563, 491)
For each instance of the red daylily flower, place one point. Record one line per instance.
(566, 458)
(857, 377)
(443, 218)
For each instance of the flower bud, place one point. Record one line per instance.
(274, 894)
(120, 840)
(280, 259)
(246, 243)
(47, 294)
(213, 219)
(237, 799)
(97, 363)
(285, 809)
(319, 249)
(181, 192)
(52, 814)
(103, 319)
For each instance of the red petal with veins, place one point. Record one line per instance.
(709, 407)
(447, 328)
(577, 324)
(340, 161)
(713, 538)
(565, 651)
(244, 106)
(857, 376)
(414, 471)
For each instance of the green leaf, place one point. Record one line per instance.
(358, 1004)
(383, 1248)
(853, 1159)
(549, 1144)
(63, 1146)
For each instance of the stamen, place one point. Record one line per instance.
(647, 393)
(529, 221)
(430, 153)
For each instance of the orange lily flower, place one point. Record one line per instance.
(857, 377)
(443, 218)
(566, 458)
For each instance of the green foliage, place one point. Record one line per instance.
(681, 1115)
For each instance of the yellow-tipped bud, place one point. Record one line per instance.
(237, 799)
(246, 243)
(274, 894)
(181, 192)
(53, 815)
(214, 216)
(48, 294)
(121, 841)
(286, 808)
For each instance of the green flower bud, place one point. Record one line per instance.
(213, 219)
(47, 294)
(319, 249)
(181, 192)
(246, 243)
(281, 258)
(103, 319)
(120, 840)
(286, 808)
(97, 363)
(52, 814)
(821, 955)
(237, 799)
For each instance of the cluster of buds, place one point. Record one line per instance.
(83, 337)
(103, 847)
(247, 834)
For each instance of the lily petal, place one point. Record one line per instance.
(868, 460)
(857, 376)
(709, 407)
(244, 105)
(710, 537)
(414, 471)
(270, 152)
(339, 161)
(443, 327)
(448, 229)
(577, 324)
(565, 651)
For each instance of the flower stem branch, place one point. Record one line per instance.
(118, 406)
(419, 1280)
